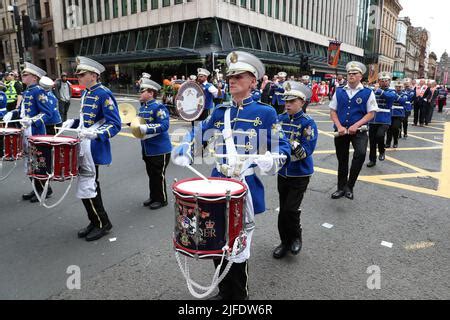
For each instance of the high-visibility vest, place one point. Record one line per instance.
(11, 93)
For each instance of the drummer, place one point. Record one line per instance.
(244, 124)
(211, 92)
(34, 113)
(47, 84)
(3, 100)
(156, 145)
(100, 121)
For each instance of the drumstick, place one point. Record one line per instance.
(251, 156)
(71, 130)
(361, 129)
(197, 173)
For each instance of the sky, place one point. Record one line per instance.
(434, 15)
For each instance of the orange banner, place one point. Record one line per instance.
(334, 52)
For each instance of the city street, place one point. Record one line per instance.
(398, 224)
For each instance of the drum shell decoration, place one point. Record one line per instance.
(201, 226)
(54, 158)
(11, 144)
(190, 101)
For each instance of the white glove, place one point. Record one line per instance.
(181, 161)
(7, 117)
(265, 162)
(68, 123)
(88, 134)
(26, 122)
(143, 128)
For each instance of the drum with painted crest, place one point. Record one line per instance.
(11, 144)
(53, 158)
(209, 215)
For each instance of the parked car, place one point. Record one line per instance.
(77, 89)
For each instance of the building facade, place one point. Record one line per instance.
(44, 53)
(175, 36)
(390, 12)
(443, 69)
(400, 49)
(432, 66)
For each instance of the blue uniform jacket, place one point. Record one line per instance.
(53, 102)
(157, 119)
(302, 129)
(385, 100)
(255, 129)
(398, 108)
(350, 111)
(100, 104)
(411, 93)
(277, 96)
(3, 103)
(35, 104)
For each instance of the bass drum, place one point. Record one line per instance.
(190, 101)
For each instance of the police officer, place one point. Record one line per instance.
(14, 91)
(211, 92)
(411, 93)
(379, 125)
(99, 122)
(156, 145)
(243, 124)
(398, 113)
(277, 89)
(293, 179)
(352, 106)
(47, 84)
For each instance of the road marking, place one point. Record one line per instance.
(444, 181)
(419, 245)
(327, 225)
(326, 133)
(407, 165)
(387, 244)
(420, 138)
(389, 151)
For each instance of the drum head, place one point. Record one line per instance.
(214, 187)
(6, 131)
(53, 140)
(190, 101)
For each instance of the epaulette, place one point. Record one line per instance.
(226, 104)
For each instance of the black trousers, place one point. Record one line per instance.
(376, 139)
(429, 110)
(63, 109)
(50, 128)
(342, 144)
(441, 103)
(405, 124)
(235, 284)
(94, 206)
(291, 191)
(419, 112)
(156, 170)
(394, 130)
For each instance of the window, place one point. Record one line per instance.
(166, 3)
(190, 30)
(83, 11)
(269, 8)
(284, 10)
(15, 46)
(142, 40)
(91, 11)
(99, 10)
(133, 6)
(244, 3)
(291, 9)
(154, 4)
(47, 9)
(106, 9)
(52, 66)
(50, 38)
(277, 9)
(143, 5)
(124, 8)
(253, 5)
(115, 8)
(178, 1)
(261, 6)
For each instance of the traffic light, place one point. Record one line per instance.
(30, 31)
(304, 63)
(211, 61)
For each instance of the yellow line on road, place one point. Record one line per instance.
(388, 150)
(419, 245)
(434, 128)
(326, 134)
(444, 181)
(407, 165)
(435, 175)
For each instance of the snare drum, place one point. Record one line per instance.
(208, 215)
(11, 144)
(54, 158)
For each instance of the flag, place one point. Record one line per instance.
(334, 51)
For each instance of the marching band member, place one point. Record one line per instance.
(277, 88)
(99, 121)
(211, 92)
(398, 113)
(411, 93)
(34, 113)
(293, 179)
(352, 106)
(47, 84)
(243, 124)
(156, 145)
(3, 100)
(379, 125)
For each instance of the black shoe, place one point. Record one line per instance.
(387, 146)
(371, 164)
(296, 246)
(97, 232)
(280, 251)
(28, 196)
(84, 232)
(34, 199)
(382, 157)
(395, 146)
(147, 202)
(338, 194)
(405, 136)
(349, 193)
(157, 205)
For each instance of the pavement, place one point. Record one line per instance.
(391, 242)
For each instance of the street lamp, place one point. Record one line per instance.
(15, 10)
